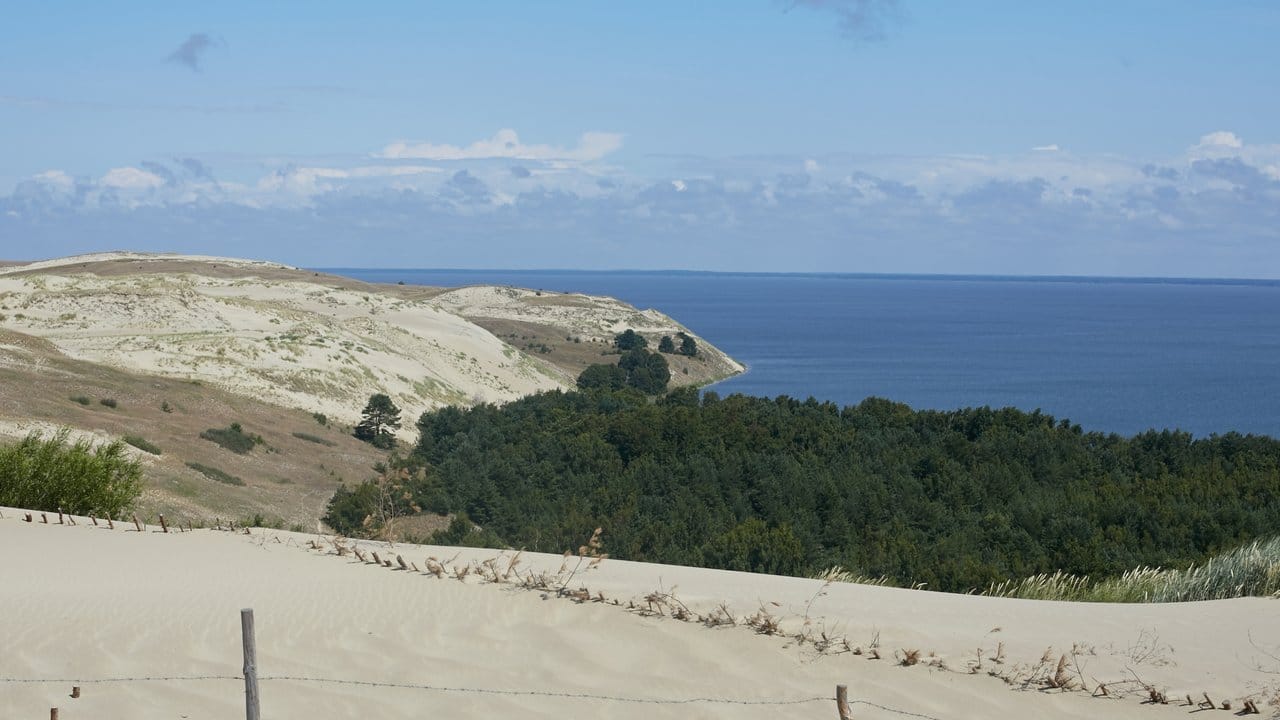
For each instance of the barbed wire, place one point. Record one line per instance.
(478, 691)
(100, 681)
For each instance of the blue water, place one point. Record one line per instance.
(1113, 355)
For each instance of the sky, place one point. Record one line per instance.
(1130, 137)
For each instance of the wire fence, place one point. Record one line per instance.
(776, 702)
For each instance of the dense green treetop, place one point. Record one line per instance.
(953, 499)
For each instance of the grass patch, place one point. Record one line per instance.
(214, 473)
(109, 402)
(80, 399)
(314, 439)
(142, 444)
(232, 438)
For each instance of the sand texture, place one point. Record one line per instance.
(84, 603)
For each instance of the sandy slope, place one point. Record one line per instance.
(81, 602)
(320, 344)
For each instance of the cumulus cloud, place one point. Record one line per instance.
(131, 178)
(1213, 208)
(506, 144)
(862, 21)
(191, 52)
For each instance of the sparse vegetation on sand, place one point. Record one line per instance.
(214, 473)
(42, 473)
(233, 438)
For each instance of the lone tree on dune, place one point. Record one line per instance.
(379, 419)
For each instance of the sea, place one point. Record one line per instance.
(1111, 354)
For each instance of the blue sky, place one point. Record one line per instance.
(1093, 138)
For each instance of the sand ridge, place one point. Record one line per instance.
(90, 603)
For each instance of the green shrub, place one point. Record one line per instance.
(47, 474)
(142, 444)
(321, 418)
(166, 407)
(260, 521)
(214, 473)
(314, 439)
(109, 402)
(80, 399)
(232, 438)
(349, 509)
(464, 533)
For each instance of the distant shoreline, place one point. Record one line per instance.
(1083, 279)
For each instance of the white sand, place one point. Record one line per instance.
(88, 603)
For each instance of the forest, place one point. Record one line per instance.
(956, 500)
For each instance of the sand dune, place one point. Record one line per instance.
(88, 603)
(319, 344)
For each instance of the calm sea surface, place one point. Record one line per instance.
(1113, 355)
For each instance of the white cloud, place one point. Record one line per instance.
(1221, 138)
(1047, 148)
(55, 178)
(131, 178)
(506, 144)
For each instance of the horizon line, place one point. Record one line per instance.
(998, 277)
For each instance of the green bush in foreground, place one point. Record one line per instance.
(214, 473)
(49, 473)
(142, 444)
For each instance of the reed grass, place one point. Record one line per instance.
(1249, 571)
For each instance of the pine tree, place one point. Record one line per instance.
(379, 419)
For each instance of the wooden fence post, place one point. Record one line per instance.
(842, 702)
(250, 665)
(163, 524)
(136, 522)
(53, 713)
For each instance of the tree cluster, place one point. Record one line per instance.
(952, 499)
